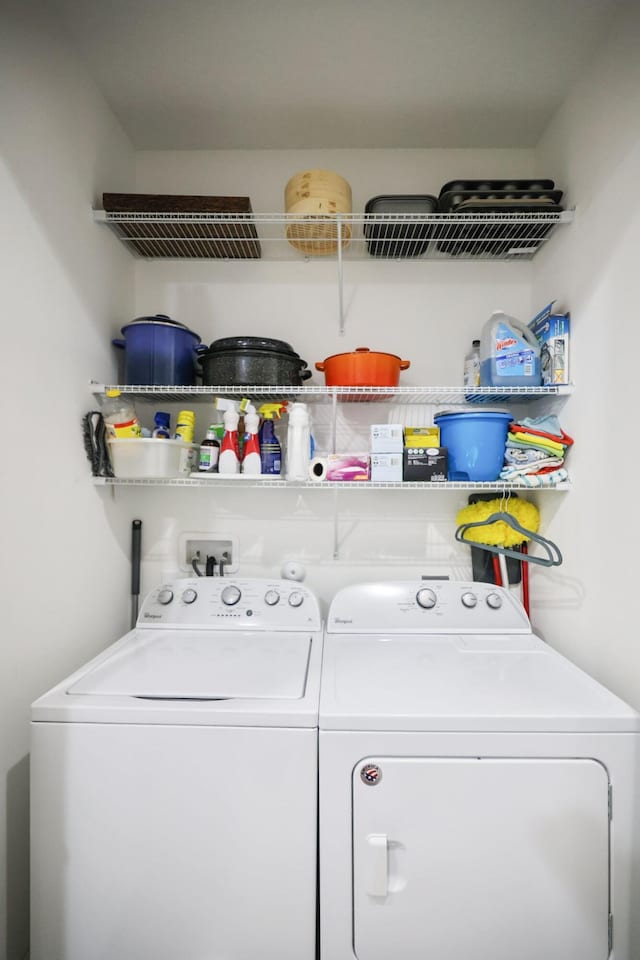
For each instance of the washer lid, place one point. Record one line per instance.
(197, 665)
(434, 683)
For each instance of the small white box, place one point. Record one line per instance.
(386, 438)
(147, 458)
(386, 467)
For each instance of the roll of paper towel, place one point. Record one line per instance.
(318, 468)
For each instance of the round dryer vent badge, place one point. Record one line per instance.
(371, 774)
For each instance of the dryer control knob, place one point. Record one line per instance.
(189, 595)
(271, 597)
(469, 600)
(426, 598)
(295, 598)
(494, 600)
(165, 596)
(230, 596)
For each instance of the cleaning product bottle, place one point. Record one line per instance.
(251, 447)
(270, 449)
(209, 451)
(471, 376)
(229, 461)
(509, 353)
(120, 416)
(161, 425)
(298, 442)
(185, 425)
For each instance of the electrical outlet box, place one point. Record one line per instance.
(199, 546)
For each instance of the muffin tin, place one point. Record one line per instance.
(460, 201)
(497, 199)
(398, 239)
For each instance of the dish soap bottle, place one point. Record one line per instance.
(509, 353)
(471, 376)
(270, 449)
(120, 417)
(161, 425)
(298, 442)
(251, 447)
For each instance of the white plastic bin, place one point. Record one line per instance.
(151, 458)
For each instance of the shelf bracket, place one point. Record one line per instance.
(341, 319)
(336, 532)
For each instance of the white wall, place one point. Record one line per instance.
(588, 606)
(64, 566)
(427, 312)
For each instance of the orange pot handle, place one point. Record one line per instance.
(362, 350)
(319, 365)
(405, 364)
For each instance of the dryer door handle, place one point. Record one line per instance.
(377, 873)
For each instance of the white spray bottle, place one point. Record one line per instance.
(251, 462)
(229, 460)
(298, 442)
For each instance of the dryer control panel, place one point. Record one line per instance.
(227, 603)
(426, 606)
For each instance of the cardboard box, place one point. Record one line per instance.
(386, 467)
(425, 464)
(386, 438)
(422, 436)
(552, 332)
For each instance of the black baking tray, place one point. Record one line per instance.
(490, 185)
(486, 238)
(517, 200)
(394, 240)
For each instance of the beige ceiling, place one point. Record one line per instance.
(223, 74)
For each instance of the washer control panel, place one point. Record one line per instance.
(230, 603)
(435, 606)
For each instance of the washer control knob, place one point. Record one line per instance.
(189, 595)
(295, 598)
(426, 598)
(230, 596)
(469, 600)
(271, 597)
(165, 596)
(494, 600)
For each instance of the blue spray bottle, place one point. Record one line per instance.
(270, 449)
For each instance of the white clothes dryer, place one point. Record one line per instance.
(478, 792)
(174, 783)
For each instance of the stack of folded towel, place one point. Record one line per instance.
(535, 452)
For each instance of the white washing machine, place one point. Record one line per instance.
(174, 783)
(478, 794)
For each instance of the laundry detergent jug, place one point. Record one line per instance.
(509, 353)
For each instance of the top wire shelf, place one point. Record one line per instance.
(322, 394)
(406, 237)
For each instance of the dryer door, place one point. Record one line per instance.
(488, 858)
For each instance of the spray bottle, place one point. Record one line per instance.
(229, 460)
(270, 449)
(298, 442)
(251, 448)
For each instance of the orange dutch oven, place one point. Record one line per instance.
(362, 368)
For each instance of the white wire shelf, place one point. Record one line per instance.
(321, 394)
(239, 482)
(280, 236)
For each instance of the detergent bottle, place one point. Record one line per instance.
(229, 459)
(509, 353)
(298, 442)
(251, 449)
(270, 449)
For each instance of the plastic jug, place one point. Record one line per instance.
(509, 353)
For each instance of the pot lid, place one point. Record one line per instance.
(252, 343)
(364, 351)
(161, 320)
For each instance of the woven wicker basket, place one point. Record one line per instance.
(317, 196)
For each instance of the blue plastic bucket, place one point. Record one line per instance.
(475, 443)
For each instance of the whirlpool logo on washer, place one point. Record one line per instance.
(152, 616)
(371, 774)
(342, 620)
